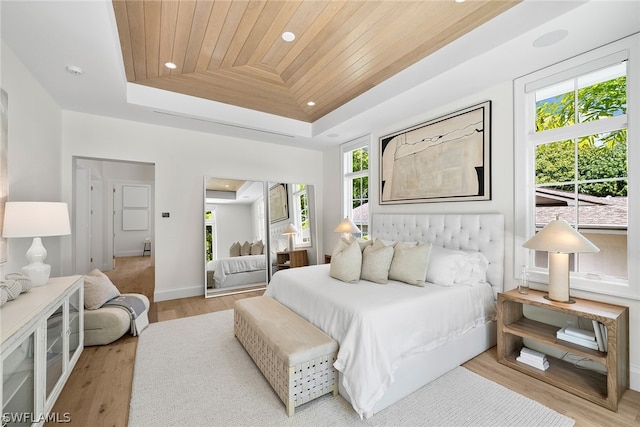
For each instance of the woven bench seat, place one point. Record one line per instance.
(294, 356)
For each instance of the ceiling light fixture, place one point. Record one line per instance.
(288, 36)
(170, 65)
(311, 103)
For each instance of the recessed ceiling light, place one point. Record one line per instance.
(311, 103)
(76, 71)
(459, 1)
(550, 38)
(288, 36)
(170, 65)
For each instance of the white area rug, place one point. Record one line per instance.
(193, 372)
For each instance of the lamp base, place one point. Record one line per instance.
(570, 301)
(37, 272)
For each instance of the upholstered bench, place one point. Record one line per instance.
(294, 356)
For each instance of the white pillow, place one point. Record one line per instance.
(444, 265)
(473, 270)
(410, 263)
(234, 250)
(376, 259)
(98, 289)
(346, 261)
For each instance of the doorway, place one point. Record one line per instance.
(104, 209)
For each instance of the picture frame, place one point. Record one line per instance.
(278, 203)
(447, 159)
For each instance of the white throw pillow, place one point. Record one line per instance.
(98, 289)
(376, 259)
(234, 250)
(346, 261)
(449, 266)
(410, 263)
(473, 269)
(245, 249)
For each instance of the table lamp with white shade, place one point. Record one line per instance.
(559, 239)
(347, 227)
(291, 230)
(37, 220)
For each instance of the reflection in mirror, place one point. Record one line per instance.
(235, 236)
(292, 226)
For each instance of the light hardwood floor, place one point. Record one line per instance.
(99, 388)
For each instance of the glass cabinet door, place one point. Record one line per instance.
(55, 349)
(18, 384)
(74, 323)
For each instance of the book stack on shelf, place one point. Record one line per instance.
(595, 339)
(533, 358)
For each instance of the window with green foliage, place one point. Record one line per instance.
(209, 231)
(301, 214)
(572, 155)
(356, 183)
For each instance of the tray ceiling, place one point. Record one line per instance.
(232, 51)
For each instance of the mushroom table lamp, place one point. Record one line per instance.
(559, 239)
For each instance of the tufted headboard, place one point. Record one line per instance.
(469, 232)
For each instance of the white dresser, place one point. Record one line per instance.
(42, 339)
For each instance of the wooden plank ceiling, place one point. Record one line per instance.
(232, 51)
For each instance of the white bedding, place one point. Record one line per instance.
(377, 325)
(224, 267)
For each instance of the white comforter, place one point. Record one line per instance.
(377, 325)
(237, 264)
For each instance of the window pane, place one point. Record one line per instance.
(360, 159)
(602, 93)
(555, 201)
(555, 106)
(606, 212)
(555, 162)
(603, 156)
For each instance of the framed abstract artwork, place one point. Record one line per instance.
(278, 203)
(447, 159)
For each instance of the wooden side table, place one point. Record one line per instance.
(292, 259)
(513, 327)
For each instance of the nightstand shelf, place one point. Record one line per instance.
(292, 259)
(513, 327)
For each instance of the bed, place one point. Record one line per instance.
(236, 271)
(395, 338)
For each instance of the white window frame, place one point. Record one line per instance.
(295, 196)
(525, 139)
(348, 176)
(214, 231)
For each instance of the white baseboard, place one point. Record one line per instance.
(128, 253)
(634, 377)
(191, 291)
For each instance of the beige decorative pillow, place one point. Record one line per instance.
(257, 248)
(364, 243)
(98, 289)
(410, 263)
(346, 261)
(234, 250)
(245, 249)
(376, 259)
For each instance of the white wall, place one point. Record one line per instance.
(34, 169)
(234, 223)
(181, 159)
